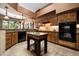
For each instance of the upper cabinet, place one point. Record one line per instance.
(54, 21)
(67, 17)
(78, 17)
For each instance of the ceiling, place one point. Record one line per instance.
(33, 6)
(11, 13)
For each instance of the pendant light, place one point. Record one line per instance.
(6, 17)
(22, 21)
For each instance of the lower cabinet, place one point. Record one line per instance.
(8, 40)
(68, 44)
(14, 38)
(77, 44)
(11, 39)
(53, 37)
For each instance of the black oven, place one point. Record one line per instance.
(67, 31)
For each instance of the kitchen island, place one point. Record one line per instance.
(37, 37)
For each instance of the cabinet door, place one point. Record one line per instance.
(53, 37)
(77, 44)
(67, 17)
(67, 43)
(54, 21)
(71, 16)
(8, 40)
(14, 38)
(56, 37)
(50, 37)
(60, 18)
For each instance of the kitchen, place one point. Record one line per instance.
(59, 21)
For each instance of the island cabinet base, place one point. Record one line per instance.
(68, 44)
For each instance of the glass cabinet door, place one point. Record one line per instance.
(11, 25)
(17, 25)
(5, 24)
(31, 26)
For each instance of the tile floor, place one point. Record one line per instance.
(20, 49)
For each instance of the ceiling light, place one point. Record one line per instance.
(22, 21)
(6, 17)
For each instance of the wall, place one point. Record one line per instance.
(2, 41)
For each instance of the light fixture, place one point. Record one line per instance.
(6, 17)
(22, 21)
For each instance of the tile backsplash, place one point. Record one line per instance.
(49, 28)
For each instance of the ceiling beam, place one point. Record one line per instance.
(13, 5)
(20, 9)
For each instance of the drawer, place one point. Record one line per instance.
(68, 44)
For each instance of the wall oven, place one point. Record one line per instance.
(67, 31)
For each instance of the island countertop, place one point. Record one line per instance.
(37, 33)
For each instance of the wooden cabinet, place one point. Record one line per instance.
(54, 21)
(67, 17)
(50, 37)
(53, 37)
(8, 40)
(60, 18)
(77, 44)
(14, 38)
(11, 39)
(67, 43)
(78, 17)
